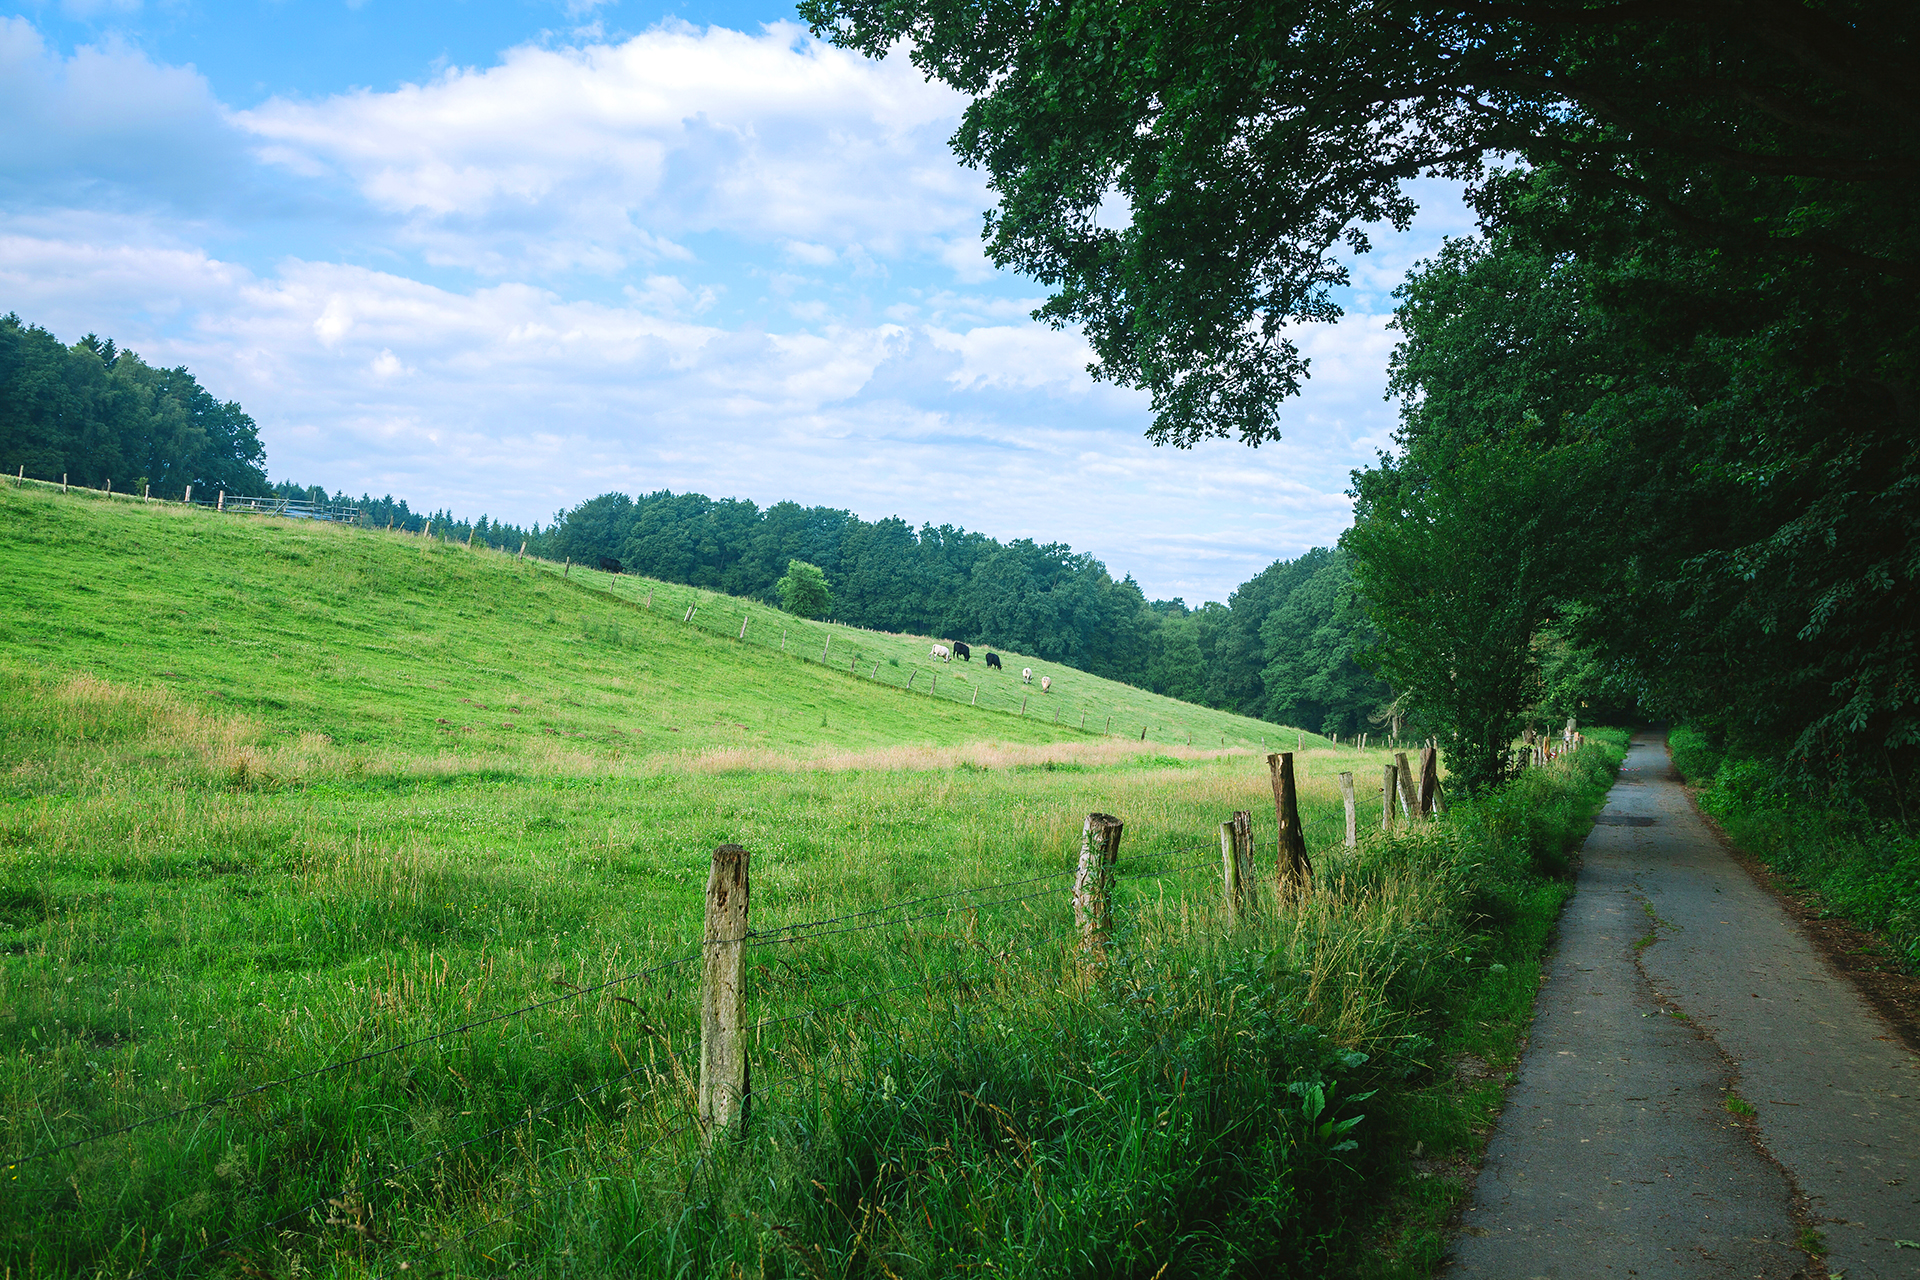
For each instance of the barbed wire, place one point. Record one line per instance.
(315, 1073)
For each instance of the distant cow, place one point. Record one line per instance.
(1046, 684)
(1026, 674)
(993, 660)
(610, 564)
(961, 651)
(940, 651)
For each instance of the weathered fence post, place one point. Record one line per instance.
(1386, 797)
(108, 487)
(1403, 777)
(146, 493)
(1109, 728)
(933, 684)
(1093, 881)
(973, 701)
(63, 482)
(724, 1076)
(1083, 721)
(783, 639)
(876, 668)
(1300, 742)
(1023, 703)
(566, 570)
(221, 505)
(1353, 813)
(689, 617)
(1236, 864)
(522, 555)
(743, 627)
(1429, 781)
(188, 500)
(469, 537)
(1143, 733)
(910, 675)
(828, 645)
(1292, 868)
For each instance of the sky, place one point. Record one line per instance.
(502, 257)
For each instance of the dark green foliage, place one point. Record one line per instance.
(1314, 639)
(99, 415)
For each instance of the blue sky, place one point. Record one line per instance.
(502, 257)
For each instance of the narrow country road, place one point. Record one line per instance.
(1677, 984)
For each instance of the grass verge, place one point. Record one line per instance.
(1864, 871)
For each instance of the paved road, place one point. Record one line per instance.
(1616, 1154)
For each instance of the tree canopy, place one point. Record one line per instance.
(98, 414)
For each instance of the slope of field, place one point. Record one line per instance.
(365, 637)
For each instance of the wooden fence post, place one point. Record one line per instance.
(522, 555)
(876, 668)
(146, 493)
(1236, 864)
(853, 665)
(743, 627)
(1083, 721)
(1353, 814)
(1300, 742)
(1023, 703)
(1429, 780)
(689, 617)
(1109, 728)
(783, 639)
(910, 675)
(1292, 869)
(188, 500)
(933, 684)
(108, 488)
(469, 537)
(1093, 881)
(649, 605)
(1386, 797)
(221, 505)
(972, 702)
(1407, 785)
(828, 645)
(63, 482)
(724, 1075)
(1143, 733)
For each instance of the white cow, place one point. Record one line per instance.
(1026, 674)
(941, 652)
(1046, 684)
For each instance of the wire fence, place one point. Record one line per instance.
(901, 913)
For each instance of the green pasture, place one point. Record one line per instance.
(275, 797)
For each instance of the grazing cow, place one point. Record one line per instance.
(940, 651)
(993, 660)
(961, 651)
(610, 564)
(1026, 675)
(1046, 684)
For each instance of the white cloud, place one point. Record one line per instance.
(597, 157)
(107, 116)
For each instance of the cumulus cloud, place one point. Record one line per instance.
(604, 155)
(107, 120)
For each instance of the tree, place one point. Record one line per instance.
(803, 590)
(1250, 145)
(1460, 565)
(1314, 637)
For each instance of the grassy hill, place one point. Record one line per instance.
(391, 640)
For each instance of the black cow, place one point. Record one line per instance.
(610, 564)
(960, 650)
(993, 660)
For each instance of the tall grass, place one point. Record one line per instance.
(193, 905)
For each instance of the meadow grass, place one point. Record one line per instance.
(282, 862)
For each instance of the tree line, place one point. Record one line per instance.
(1285, 646)
(97, 415)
